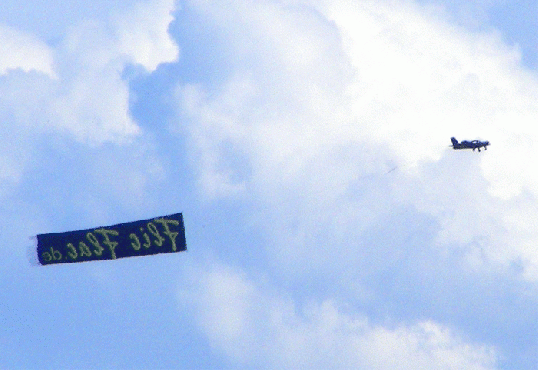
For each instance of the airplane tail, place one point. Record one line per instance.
(454, 141)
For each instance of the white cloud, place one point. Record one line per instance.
(382, 85)
(89, 98)
(256, 326)
(426, 345)
(419, 80)
(24, 51)
(343, 149)
(93, 102)
(22, 98)
(94, 107)
(75, 87)
(143, 34)
(215, 121)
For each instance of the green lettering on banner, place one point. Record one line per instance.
(110, 244)
(84, 250)
(135, 242)
(153, 229)
(98, 251)
(46, 256)
(56, 255)
(72, 251)
(164, 234)
(167, 232)
(147, 244)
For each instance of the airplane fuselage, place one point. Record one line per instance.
(475, 144)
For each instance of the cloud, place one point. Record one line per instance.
(75, 88)
(211, 139)
(257, 326)
(143, 34)
(26, 75)
(93, 57)
(347, 226)
(342, 149)
(383, 85)
(90, 98)
(24, 51)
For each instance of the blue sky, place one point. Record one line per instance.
(328, 223)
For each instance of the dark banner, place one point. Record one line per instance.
(164, 234)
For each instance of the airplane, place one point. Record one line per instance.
(475, 144)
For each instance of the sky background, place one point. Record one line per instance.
(328, 222)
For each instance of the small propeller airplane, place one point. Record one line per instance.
(475, 144)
